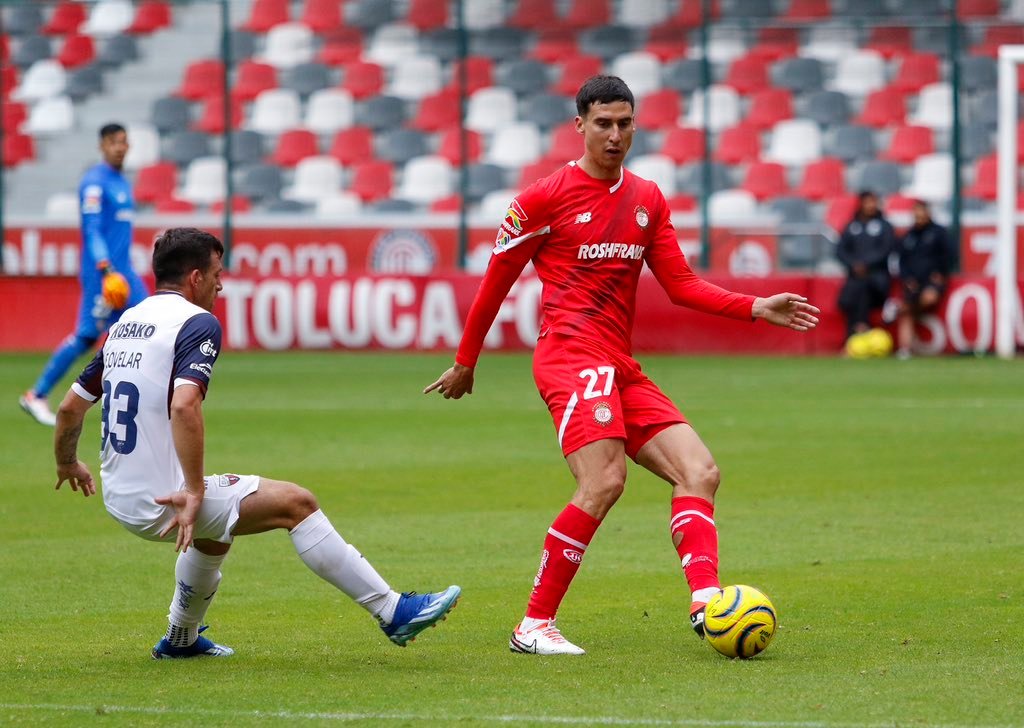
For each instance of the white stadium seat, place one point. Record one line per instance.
(204, 181)
(43, 79)
(338, 206)
(426, 179)
(934, 107)
(640, 70)
(514, 145)
(415, 77)
(932, 179)
(143, 146)
(329, 110)
(731, 205)
(490, 108)
(723, 108)
(274, 111)
(494, 205)
(51, 116)
(794, 142)
(860, 73)
(62, 206)
(658, 169)
(391, 43)
(829, 43)
(288, 45)
(643, 13)
(109, 18)
(316, 178)
(483, 14)
(725, 45)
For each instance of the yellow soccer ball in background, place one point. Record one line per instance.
(879, 342)
(739, 621)
(858, 346)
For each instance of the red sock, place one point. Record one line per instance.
(564, 545)
(693, 518)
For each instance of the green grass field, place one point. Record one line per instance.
(879, 503)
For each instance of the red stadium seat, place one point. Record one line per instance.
(451, 146)
(253, 78)
(977, 8)
(352, 146)
(575, 71)
(265, 14)
(363, 79)
(766, 180)
(588, 14)
(683, 145)
(769, 107)
(682, 203)
(808, 10)
(341, 46)
(996, 36)
(774, 44)
(156, 182)
(688, 14)
(293, 146)
(660, 110)
(239, 203)
(839, 211)
(882, 108)
(898, 203)
(555, 46)
(908, 143)
(174, 206)
(202, 79)
(566, 143)
(530, 173)
(666, 44)
(427, 14)
(986, 179)
(321, 16)
(151, 16)
(891, 41)
(18, 148)
(14, 115)
(372, 181)
(747, 74)
(479, 74)
(5, 49)
(534, 15)
(211, 120)
(8, 79)
(738, 145)
(451, 203)
(916, 71)
(77, 50)
(66, 18)
(438, 111)
(823, 179)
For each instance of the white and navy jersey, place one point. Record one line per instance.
(163, 343)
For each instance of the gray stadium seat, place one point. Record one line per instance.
(798, 74)
(391, 206)
(524, 77)
(483, 178)
(23, 19)
(851, 143)
(381, 112)
(860, 9)
(923, 8)
(643, 142)
(690, 178)
(608, 41)
(170, 114)
(368, 14)
(401, 145)
(827, 107)
(976, 140)
(683, 75)
(118, 50)
(247, 146)
(791, 209)
(306, 78)
(496, 43)
(31, 49)
(442, 43)
(748, 8)
(933, 39)
(259, 182)
(183, 146)
(978, 73)
(549, 110)
(882, 178)
(84, 82)
(242, 45)
(287, 207)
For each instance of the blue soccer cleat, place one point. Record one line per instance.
(415, 612)
(202, 647)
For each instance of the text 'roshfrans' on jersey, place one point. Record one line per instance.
(611, 250)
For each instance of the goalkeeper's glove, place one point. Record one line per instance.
(115, 287)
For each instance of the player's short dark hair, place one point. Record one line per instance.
(179, 251)
(602, 90)
(111, 129)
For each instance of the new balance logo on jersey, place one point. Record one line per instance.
(611, 250)
(582, 218)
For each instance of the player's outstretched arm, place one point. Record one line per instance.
(70, 469)
(788, 310)
(454, 383)
(188, 432)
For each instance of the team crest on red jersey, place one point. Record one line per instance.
(603, 414)
(642, 218)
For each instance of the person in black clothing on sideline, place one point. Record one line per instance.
(925, 262)
(864, 249)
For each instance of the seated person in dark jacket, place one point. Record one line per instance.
(864, 249)
(925, 262)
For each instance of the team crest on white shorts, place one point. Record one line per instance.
(642, 218)
(603, 414)
(224, 481)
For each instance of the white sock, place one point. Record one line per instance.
(529, 623)
(197, 576)
(325, 552)
(703, 595)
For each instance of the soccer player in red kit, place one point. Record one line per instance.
(589, 228)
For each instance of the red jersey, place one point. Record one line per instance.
(589, 239)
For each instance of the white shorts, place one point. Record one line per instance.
(217, 515)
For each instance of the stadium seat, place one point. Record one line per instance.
(794, 142)
(23, 19)
(747, 74)
(483, 14)
(426, 14)
(109, 18)
(882, 108)
(155, 182)
(253, 78)
(576, 70)
(286, 207)
(266, 14)
(62, 206)
(494, 204)
(211, 120)
(31, 50)
(44, 79)
(307, 78)
(241, 45)
(765, 180)
(798, 75)
(437, 112)
(690, 178)
(588, 14)
(174, 206)
(908, 143)
(66, 19)
(259, 182)
(381, 112)
(5, 49)
(274, 111)
(986, 179)
(54, 115)
(689, 14)
(293, 146)
(890, 41)
(372, 181)
(880, 177)
(170, 114)
(415, 77)
(247, 146)
(666, 44)
(985, 108)
(997, 35)
(899, 204)
(287, 45)
(850, 143)
(151, 15)
(681, 145)
(791, 209)
(352, 146)
(976, 140)
(363, 80)
(932, 178)
(144, 146)
(533, 15)
(321, 16)
(758, 10)
(491, 108)
(497, 44)
(915, 72)
(858, 9)
(204, 181)
(84, 82)
(640, 70)
(731, 206)
(514, 145)
(479, 74)
(643, 13)
(554, 45)
(451, 145)
(738, 145)
(978, 73)
(391, 43)
(398, 146)
(829, 43)
(342, 205)
(341, 46)
(426, 179)
(681, 202)
(723, 108)
(934, 107)
(607, 41)
(368, 14)
(202, 80)
(725, 45)
(658, 169)
(117, 51)
(182, 147)
(239, 203)
(828, 108)
(315, 178)
(840, 210)
(860, 73)
(660, 110)
(14, 114)
(18, 148)
(769, 107)
(329, 110)
(775, 43)
(974, 9)
(548, 110)
(804, 10)
(449, 204)
(482, 179)
(566, 143)
(524, 77)
(530, 173)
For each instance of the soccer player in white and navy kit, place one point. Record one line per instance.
(152, 376)
(589, 228)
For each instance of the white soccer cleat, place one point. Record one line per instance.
(38, 408)
(544, 639)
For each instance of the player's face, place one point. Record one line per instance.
(921, 215)
(607, 134)
(113, 147)
(209, 283)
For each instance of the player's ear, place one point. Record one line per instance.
(579, 124)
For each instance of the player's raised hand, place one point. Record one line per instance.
(788, 310)
(115, 289)
(77, 475)
(186, 510)
(454, 383)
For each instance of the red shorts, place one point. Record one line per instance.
(595, 395)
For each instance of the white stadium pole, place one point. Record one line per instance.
(1006, 250)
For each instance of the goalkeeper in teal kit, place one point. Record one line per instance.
(109, 285)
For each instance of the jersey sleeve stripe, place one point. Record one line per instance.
(83, 392)
(521, 239)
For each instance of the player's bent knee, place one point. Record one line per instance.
(302, 502)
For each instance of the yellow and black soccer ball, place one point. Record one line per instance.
(739, 621)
